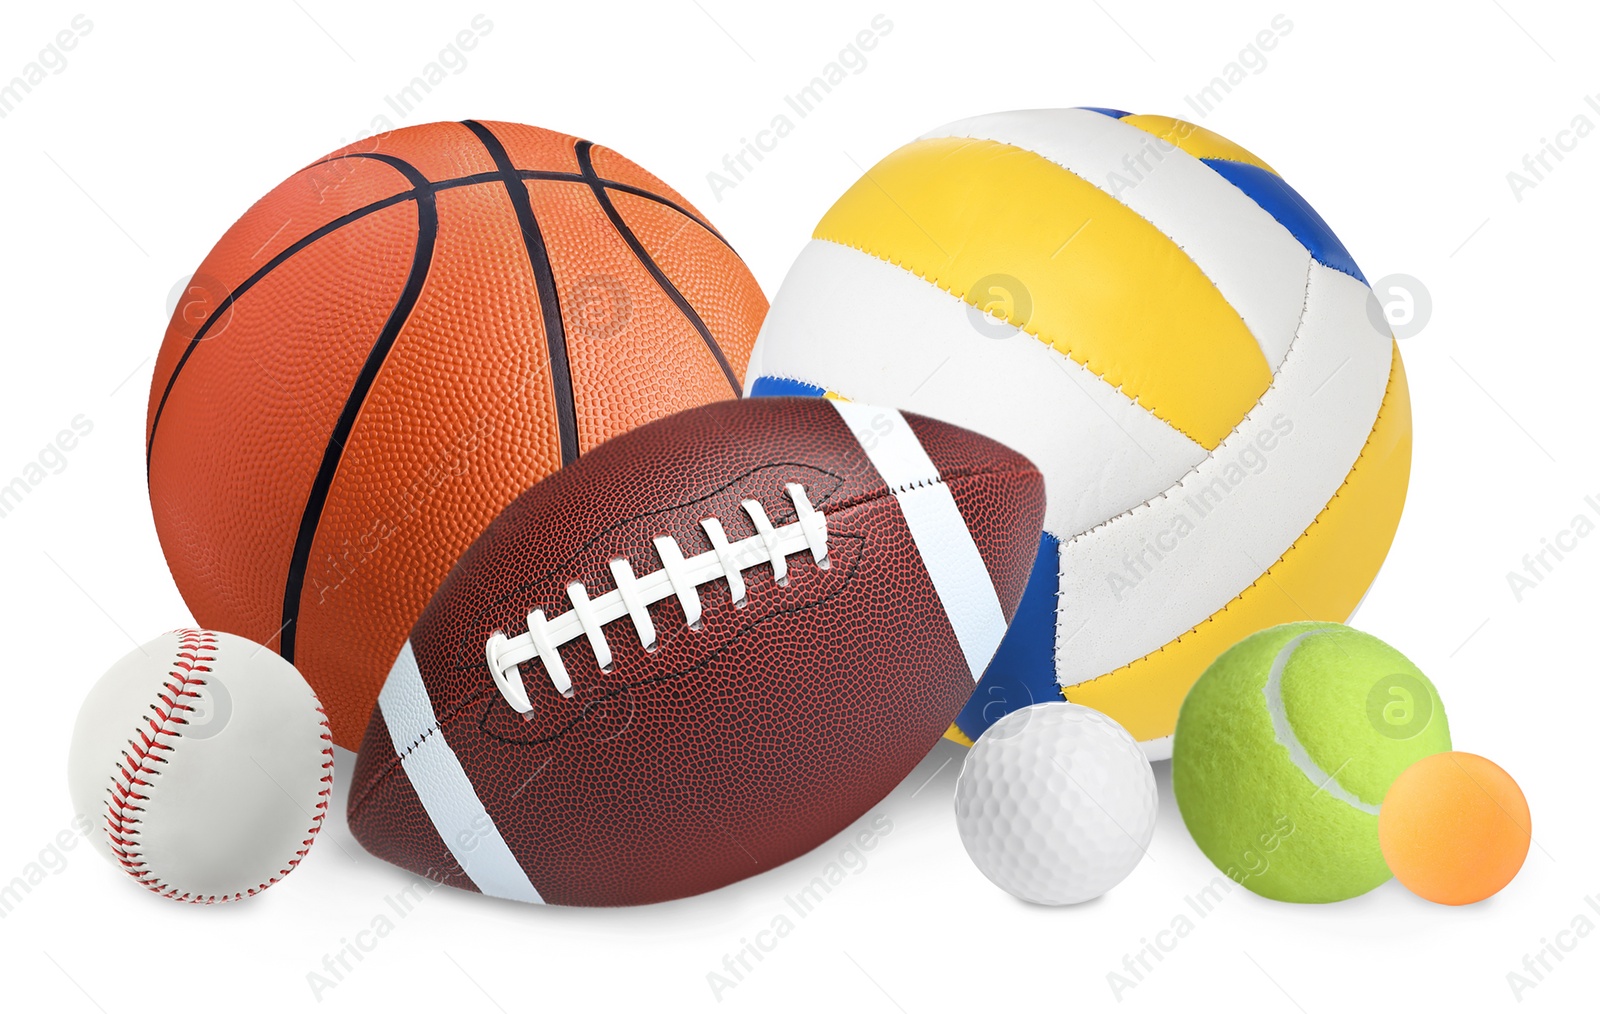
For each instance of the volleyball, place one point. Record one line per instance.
(1154, 316)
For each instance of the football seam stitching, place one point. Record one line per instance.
(773, 545)
(390, 766)
(467, 702)
(523, 587)
(834, 507)
(698, 664)
(889, 492)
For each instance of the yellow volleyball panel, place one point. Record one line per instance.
(962, 213)
(955, 735)
(1196, 140)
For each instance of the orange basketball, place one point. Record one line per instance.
(394, 343)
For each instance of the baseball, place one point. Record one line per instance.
(204, 764)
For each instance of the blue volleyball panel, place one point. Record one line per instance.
(1115, 114)
(1023, 670)
(767, 387)
(1282, 202)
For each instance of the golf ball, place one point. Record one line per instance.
(1056, 803)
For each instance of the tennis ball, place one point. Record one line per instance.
(1285, 748)
(1455, 828)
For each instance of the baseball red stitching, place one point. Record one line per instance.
(136, 771)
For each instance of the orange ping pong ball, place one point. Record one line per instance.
(1454, 828)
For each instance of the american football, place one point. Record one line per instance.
(697, 652)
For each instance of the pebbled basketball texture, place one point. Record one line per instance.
(730, 748)
(395, 342)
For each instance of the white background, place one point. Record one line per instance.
(1398, 121)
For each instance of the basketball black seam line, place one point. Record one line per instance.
(333, 453)
(564, 177)
(586, 165)
(232, 297)
(555, 335)
(649, 195)
(356, 215)
(245, 286)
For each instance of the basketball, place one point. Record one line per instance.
(392, 345)
(1156, 318)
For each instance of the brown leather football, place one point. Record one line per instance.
(696, 652)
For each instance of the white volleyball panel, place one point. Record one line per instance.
(1146, 576)
(934, 354)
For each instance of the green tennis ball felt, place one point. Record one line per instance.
(1285, 748)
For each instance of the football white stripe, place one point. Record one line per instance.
(447, 794)
(933, 354)
(941, 536)
(1257, 264)
(1141, 579)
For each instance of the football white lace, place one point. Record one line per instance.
(633, 595)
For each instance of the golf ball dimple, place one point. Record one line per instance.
(1056, 803)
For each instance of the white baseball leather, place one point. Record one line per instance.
(204, 764)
